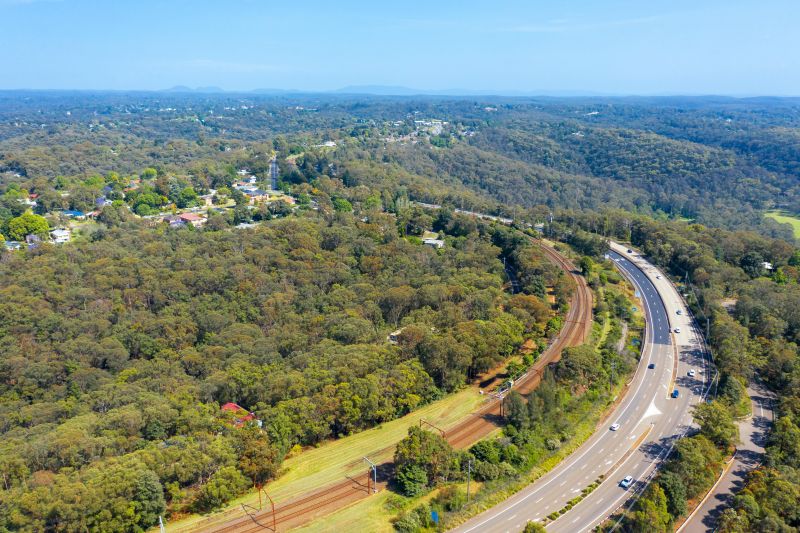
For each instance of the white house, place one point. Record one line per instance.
(60, 236)
(436, 243)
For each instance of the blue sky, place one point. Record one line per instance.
(739, 47)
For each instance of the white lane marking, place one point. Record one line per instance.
(540, 499)
(512, 517)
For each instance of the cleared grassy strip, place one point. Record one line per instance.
(372, 514)
(783, 217)
(332, 461)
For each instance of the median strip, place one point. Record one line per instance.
(552, 517)
(674, 365)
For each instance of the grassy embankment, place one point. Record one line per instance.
(332, 461)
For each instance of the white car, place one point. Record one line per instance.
(679, 312)
(677, 330)
(627, 482)
(614, 427)
(692, 373)
(658, 276)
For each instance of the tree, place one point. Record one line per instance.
(225, 484)
(148, 498)
(651, 513)
(27, 224)
(258, 459)
(581, 365)
(412, 480)
(696, 462)
(516, 411)
(149, 173)
(675, 491)
(186, 198)
(716, 423)
(427, 450)
(342, 205)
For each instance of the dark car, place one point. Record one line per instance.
(675, 393)
(651, 366)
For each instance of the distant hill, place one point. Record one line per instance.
(185, 89)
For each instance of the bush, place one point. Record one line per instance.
(414, 520)
(451, 498)
(486, 471)
(487, 451)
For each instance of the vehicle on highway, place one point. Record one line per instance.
(658, 276)
(627, 482)
(651, 366)
(677, 330)
(675, 393)
(614, 427)
(630, 251)
(679, 312)
(692, 373)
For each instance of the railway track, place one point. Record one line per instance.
(478, 425)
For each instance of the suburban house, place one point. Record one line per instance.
(60, 236)
(241, 416)
(257, 195)
(174, 221)
(102, 201)
(193, 218)
(208, 199)
(12, 246)
(436, 243)
(73, 213)
(395, 336)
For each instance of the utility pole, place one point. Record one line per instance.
(469, 475)
(374, 476)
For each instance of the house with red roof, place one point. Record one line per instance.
(192, 218)
(240, 414)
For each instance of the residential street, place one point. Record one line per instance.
(753, 435)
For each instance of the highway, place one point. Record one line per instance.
(650, 420)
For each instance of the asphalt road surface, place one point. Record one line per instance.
(650, 420)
